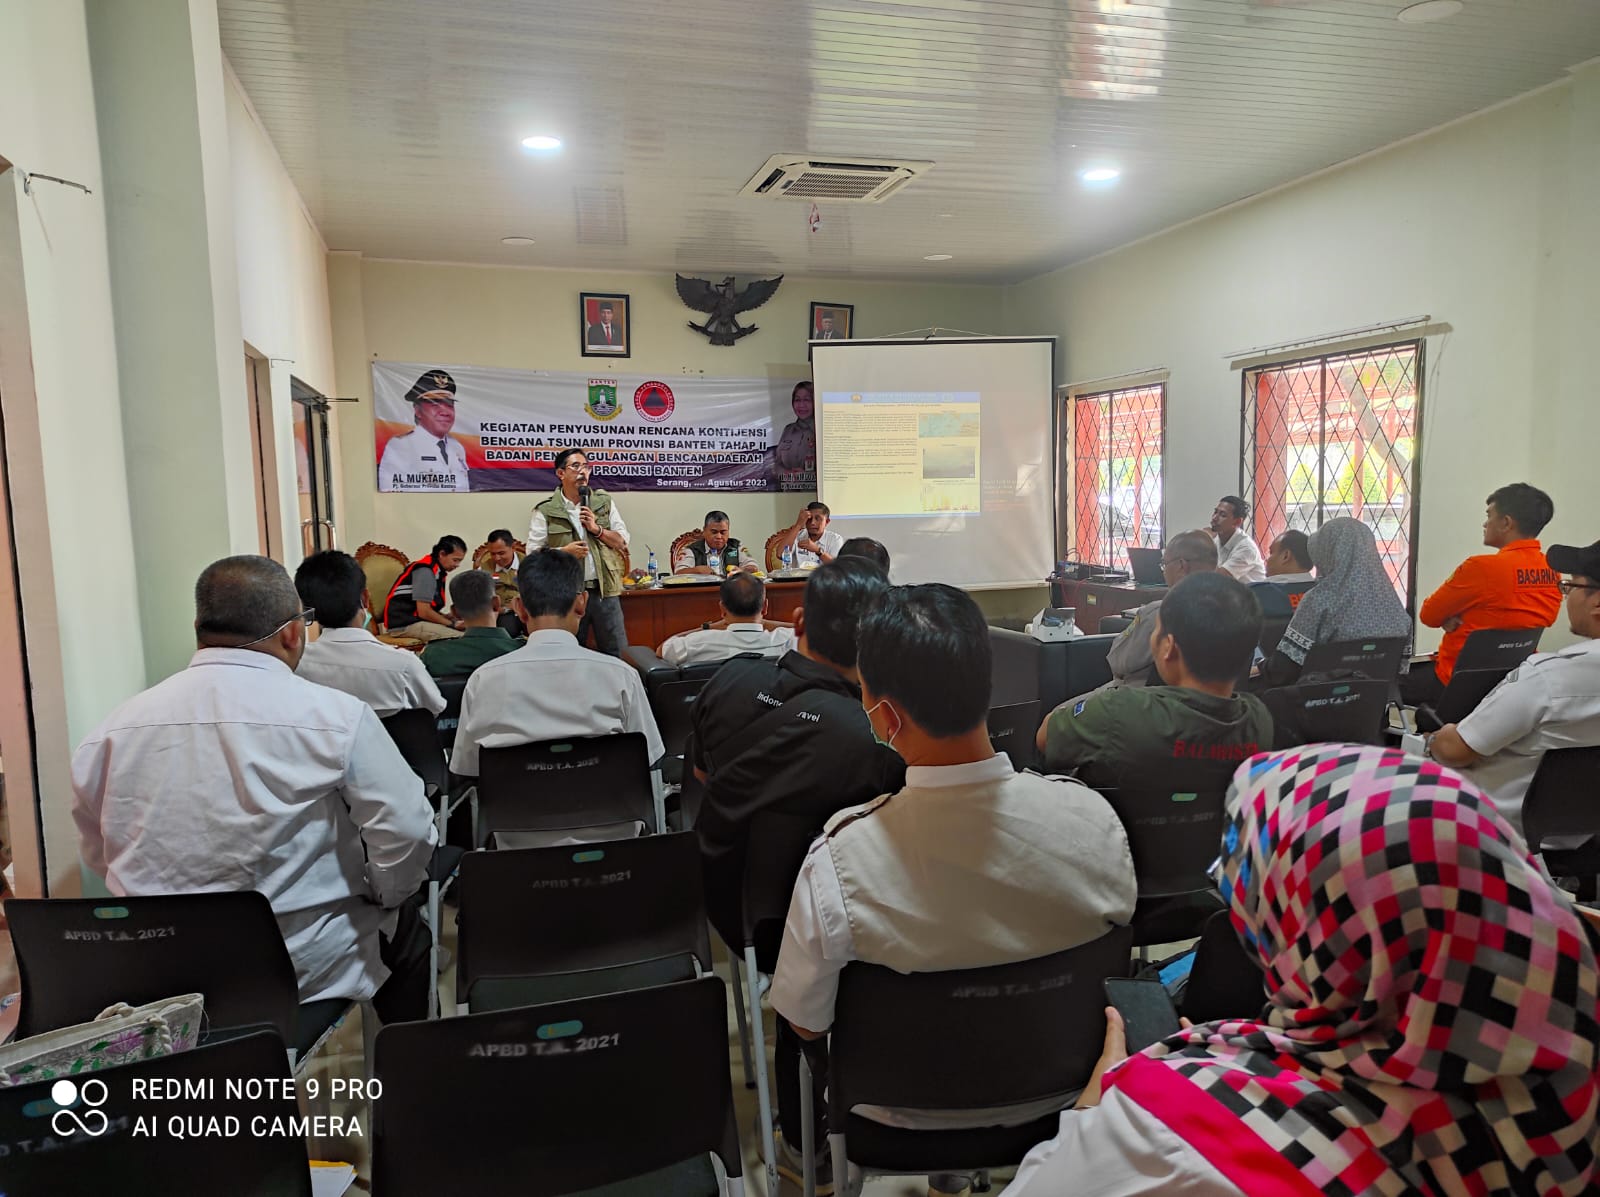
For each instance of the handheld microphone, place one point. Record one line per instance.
(583, 495)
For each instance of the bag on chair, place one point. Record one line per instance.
(120, 1034)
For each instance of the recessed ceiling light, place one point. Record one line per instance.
(1430, 10)
(937, 257)
(947, 216)
(1100, 174)
(516, 241)
(541, 142)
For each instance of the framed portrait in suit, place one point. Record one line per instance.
(603, 325)
(831, 321)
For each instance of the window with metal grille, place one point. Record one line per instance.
(1337, 435)
(1116, 472)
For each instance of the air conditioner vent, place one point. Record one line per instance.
(789, 176)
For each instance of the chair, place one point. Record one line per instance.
(482, 560)
(1348, 712)
(772, 555)
(382, 566)
(113, 1159)
(1378, 658)
(1487, 658)
(1224, 981)
(1012, 730)
(1114, 625)
(672, 690)
(451, 688)
(560, 1098)
(1028, 670)
(1559, 803)
(76, 956)
(966, 1039)
(546, 913)
(678, 541)
(1173, 835)
(1272, 629)
(580, 789)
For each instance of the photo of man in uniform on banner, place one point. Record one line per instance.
(428, 458)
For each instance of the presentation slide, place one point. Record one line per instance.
(941, 450)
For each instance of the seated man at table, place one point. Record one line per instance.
(552, 686)
(695, 557)
(477, 606)
(1237, 553)
(1288, 575)
(1193, 725)
(971, 864)
(234, 774)
(810, 539)
(743, 599)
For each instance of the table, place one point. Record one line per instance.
(650, 616)
(1094, 600)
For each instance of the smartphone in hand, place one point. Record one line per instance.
(1146, 1009)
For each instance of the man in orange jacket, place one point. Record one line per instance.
(1511, 588)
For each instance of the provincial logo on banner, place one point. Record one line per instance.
(602, 402)
(654, 401)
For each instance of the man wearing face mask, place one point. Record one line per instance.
(245, 776)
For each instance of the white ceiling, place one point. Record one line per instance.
(400, 119)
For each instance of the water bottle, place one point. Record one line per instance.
(714, 560)
(651, 567)
(788, 556)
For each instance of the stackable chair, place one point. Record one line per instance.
(1560, 802)
(1488, 656)
(1012, 730)
(1348, 712)
(570, 790)
(1173, 833)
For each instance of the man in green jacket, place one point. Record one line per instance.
(477, 606)
(588, 525)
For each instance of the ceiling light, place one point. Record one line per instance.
(937, 257)
(1430, 10)
(947, 216)
(516, 241)
(1100, 174)
(541, 142)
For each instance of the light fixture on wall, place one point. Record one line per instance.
(1099, 176)
(516, 241)
(541, 142)
(937, 257)
(1429, 10)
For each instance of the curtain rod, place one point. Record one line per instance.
(1325, 338)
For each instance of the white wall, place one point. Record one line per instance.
(1488, 226)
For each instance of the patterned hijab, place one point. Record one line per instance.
(1353, 599)
(1431, 1024)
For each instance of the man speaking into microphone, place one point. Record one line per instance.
(587, 524)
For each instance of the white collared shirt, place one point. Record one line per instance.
(1305, 579)
(386, 678)
(1551, 700)
(539, 532)
(1241, 557)
(550, 688)
(718, 644)
(235, 774)
(830, 541)
(413, 462)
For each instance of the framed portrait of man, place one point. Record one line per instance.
(831, 321)
(603, 325)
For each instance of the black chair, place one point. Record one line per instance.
(560, 1098)
(584, 788)
(672, 704)
(1349, 712)
(1012, 730)
(1027, 670)
(415, 733)
(1560, 802)
(451, 688)
(1173, 834)
(1272, 630)
(76, 956)
(1224, 981)
(84, 1158)
(1115, 625)
(567, 919)
(1488, 656)
(1379, 659)
(964, 1039)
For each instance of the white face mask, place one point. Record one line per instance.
(889, 743)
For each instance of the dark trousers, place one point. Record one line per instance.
(512, 623)
(1420, 685)
(404, 996)
(787, 1059)
(604, 615)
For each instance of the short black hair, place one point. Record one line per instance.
(1196, 547)
(503, 535)
(743, 594)
(1298, 545)
(822, 507)
(836, 597)
(605, 306)
(448, 544)
(715, 517)
(561, 457)
(1528, 506)
(330, 583)
(238, 600)
(1216, 623)
(927, 648)
(472, 593)
(549, 582)
(867, 549)
(1241, 509)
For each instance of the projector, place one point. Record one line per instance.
(1053, 624)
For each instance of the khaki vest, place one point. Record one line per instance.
(971, 876)
(560, 532)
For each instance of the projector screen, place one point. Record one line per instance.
(941, 450)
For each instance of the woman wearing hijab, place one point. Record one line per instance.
(1430, 1025)
(1353, 599)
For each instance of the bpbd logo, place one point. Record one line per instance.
(654, 401)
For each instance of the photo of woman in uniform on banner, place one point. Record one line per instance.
(797, 446)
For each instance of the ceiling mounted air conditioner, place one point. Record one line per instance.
(857, 181)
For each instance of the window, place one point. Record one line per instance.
(1337, 435)
(1116, 472)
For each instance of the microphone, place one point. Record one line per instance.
(583, 495)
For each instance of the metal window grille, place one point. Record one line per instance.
(1117, 440)
(1337, 435)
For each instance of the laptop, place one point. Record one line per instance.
(1147, 567)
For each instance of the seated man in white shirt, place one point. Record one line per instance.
(742, 629)
(810, 538)
(1236, 552)
(552, 686)
(971, 864)
(1552, 700)
(235, 774)
(347, 656)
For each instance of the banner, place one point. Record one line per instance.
(478, 428)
